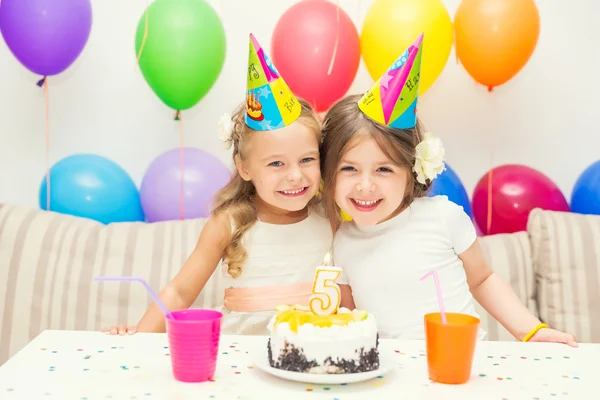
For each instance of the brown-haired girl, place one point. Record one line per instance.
(377, 163)
(264, 226)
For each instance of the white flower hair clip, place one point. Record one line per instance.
(226, 126)
(429, 158)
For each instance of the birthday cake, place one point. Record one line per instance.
(340, 343)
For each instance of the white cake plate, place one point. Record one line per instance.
(386, 363)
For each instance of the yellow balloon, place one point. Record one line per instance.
(391, 26)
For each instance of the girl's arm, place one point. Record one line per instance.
(347, 299)
(501, 302)
(185, 287)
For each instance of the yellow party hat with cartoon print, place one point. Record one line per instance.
(392, 101)
(270, 104)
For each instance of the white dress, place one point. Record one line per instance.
(277, 255)
(383, 265)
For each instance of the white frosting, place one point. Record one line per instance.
(319, 343)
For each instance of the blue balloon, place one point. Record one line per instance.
(585, 198)
(449, 184)
(94, 187)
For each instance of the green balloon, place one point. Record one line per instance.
(184, 51)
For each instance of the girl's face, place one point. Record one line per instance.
(283, 165)
(369, 186)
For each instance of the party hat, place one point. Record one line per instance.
(270, 104)
(392, 100)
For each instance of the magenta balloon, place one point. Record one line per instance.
(516, 190)
(46, 36)
(204, 175)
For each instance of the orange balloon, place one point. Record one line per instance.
(495, 38)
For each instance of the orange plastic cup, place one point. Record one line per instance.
(450, 346)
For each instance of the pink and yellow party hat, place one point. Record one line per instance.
(392, 101)
(270, 104)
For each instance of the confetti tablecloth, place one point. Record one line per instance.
(92, 365)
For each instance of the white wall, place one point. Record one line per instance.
(544, 118)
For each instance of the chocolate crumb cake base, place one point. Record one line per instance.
(303, 342)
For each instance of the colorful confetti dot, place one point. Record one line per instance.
(413, 357)
(536, 359)
(137, 367)
(567, 357)
(565, 376)
(576, 377)
(309, 389)
(148, 394)
(380, 377)
(10, 390)
(326, 388)
(234, 366)
(496, 364)
(482, 375)
(86, 369)
(523, 358)
(504, 358)
(167, 354)
(79, 349)
(123, 367)
(43, 348)
(509, 379)
(100, 351)
(224, 352)
(114, 347)
(237, 372)
(250, 367)
(490, 356)
(54, 351)
(86, 357)
(500, 378)
(548, 358)
(232, 347)
(343, 384)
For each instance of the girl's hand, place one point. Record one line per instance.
(552, 335)
(121, 330)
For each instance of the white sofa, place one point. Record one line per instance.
(48, 260)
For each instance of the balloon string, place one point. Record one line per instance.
(181, 169)
(46, 95)
(489, 197)
(337, 37)
(139, 55)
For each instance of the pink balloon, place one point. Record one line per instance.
(516, 190)
(303, 45)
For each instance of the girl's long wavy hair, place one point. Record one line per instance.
(237, 198)
(343, 124)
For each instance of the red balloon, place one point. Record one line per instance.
(516, 190)
(303, 45)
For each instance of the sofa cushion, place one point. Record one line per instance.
(510, 257)
(48, 261)
(566, 260)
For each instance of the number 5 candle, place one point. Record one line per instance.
(326, 296)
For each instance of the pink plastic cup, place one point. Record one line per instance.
(194, 343)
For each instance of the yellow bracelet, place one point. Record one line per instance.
(534, 331)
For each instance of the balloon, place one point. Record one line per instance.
(516, 190)
(184, 51)
(303, 45)
(390, 26)
(585, 198)
(495, 38)
(204, 175)
(449, 184)
(94, 187)
(46, 36)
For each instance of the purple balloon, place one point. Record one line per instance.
(204, 175)
(46, 36)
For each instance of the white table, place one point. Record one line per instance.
(92, 365)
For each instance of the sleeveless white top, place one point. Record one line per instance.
(277, 255)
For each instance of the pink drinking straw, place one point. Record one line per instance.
(439, 293)
(151, 292)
